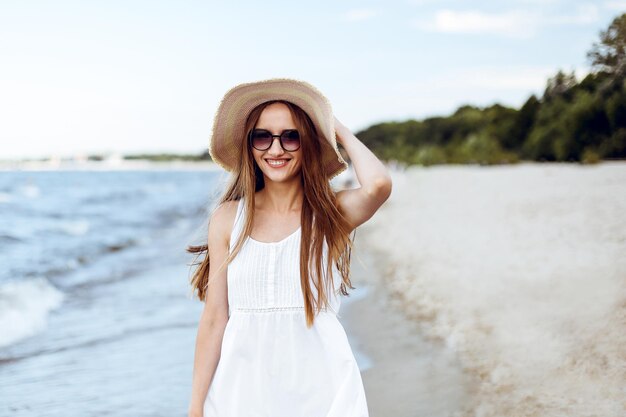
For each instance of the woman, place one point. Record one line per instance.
(269, 342)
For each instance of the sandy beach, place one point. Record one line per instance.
(409, 375)
(512, 274)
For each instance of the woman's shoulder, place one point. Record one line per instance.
(223, 218)
(226, 209)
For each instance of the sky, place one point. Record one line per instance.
(103, 77)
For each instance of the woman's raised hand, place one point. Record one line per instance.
(340, 130)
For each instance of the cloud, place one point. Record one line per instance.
(525, 77)
(421, 2)
(512, 23)
(355, 15)
(585, 13)
(535, 2)
(481, 81)
(617, 5)
(490, 77)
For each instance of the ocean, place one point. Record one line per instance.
(96, 315)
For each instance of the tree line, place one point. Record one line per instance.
(574, 121)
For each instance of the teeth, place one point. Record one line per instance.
(276, 162)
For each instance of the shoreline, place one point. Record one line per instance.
(407, 374)
(114, 165)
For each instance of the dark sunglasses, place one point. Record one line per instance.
(262, 139)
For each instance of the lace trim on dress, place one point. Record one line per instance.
(269, 309)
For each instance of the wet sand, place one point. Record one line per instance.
(406, 375)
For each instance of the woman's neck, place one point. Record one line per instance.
(280, 197)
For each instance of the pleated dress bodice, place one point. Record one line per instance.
(265, 276)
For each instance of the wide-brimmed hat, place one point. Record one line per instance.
(228, 133)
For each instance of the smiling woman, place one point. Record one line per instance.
(269, 341)
(283, 157)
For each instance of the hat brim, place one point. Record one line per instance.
(228, 129)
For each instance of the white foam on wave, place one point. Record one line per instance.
(521, 270)
(24, 308)
(76, 227)
(5, 197)
(30, 190)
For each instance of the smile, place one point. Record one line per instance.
(277, 163)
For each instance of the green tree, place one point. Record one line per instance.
(523, 124)
(615, 146)
(584, 125)
(616, 108)
(548, 128)
(429, 155)
(499, 123)
(609, 55)
(481, 148)
(560, 86)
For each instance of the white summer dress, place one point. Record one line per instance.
(271, 364)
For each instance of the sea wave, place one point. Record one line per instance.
(24, 308)
(5, 197)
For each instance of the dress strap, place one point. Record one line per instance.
(234, 235)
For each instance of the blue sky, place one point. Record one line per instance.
(147, 76)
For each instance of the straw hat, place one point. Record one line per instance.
(229, 124)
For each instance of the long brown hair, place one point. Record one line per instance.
(319, 204)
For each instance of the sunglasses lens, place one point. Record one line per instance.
(261, 139)
(291, 140)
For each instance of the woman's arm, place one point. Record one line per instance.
(214, 315)
(360, 204)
